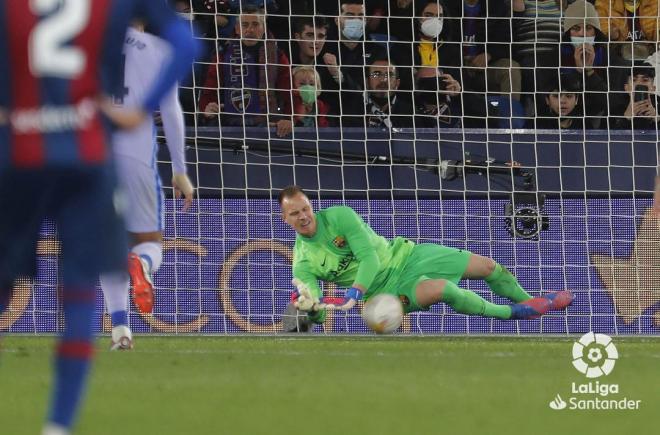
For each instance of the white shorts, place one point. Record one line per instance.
(143, 195)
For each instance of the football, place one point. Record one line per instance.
(383, 313)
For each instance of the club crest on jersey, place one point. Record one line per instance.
(339, 242)
(240, 99)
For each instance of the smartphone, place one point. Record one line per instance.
(641, 93)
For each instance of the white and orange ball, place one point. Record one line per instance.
(383, 313)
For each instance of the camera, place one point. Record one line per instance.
(524, 216)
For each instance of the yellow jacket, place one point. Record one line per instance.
(613, 13)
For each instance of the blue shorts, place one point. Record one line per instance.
(80, 201)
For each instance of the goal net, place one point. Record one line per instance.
(524, 131)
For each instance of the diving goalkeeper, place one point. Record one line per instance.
(336, 245)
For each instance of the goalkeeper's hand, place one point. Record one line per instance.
(305, 300)
(183, 186)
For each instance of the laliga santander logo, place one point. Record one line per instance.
(594, 355)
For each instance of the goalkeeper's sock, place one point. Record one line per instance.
(73, 355)
(503, 283)
(115, 287)
(152, 253)
(467, 302)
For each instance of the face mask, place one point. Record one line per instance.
(353, 28)
(432, 27)
(579, 40)
(307, 94)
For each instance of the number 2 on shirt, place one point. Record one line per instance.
(50, 56)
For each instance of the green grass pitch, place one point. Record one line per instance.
(332, 385)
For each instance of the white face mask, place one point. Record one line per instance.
(579, 40)
(353, 28)
(432, 27)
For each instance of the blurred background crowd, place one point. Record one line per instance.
(389, 64)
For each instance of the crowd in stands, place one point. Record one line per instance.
(388, 64)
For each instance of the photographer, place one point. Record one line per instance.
(434, 106)
(636, 105)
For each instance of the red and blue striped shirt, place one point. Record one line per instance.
(56, 59)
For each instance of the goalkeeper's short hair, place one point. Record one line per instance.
(288, 192)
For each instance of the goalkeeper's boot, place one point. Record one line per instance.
(143, 286)
(122, 338)
(530, 309)
(560, 300)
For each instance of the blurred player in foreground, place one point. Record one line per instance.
(135, 157)
(336, 245)
(59, 57)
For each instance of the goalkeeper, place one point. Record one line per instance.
(336, 245)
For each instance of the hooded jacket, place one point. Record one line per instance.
(613, 12)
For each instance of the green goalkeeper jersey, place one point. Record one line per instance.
(345, 250)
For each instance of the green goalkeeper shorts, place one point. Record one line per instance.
(428, 261)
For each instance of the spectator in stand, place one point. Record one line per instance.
(351, 52)
(632, 23)
(535, 46)
(434, 107)
(383, 106)
(490, 77)
(309, 39)
(309, 35)
(635, 107)
(584, 51)
(487, 63)
(560, 105)
(308, 109)
(347, 57)
(249, 84)
(436, 43)
(377, 13)
(391, 18)
(435, 46)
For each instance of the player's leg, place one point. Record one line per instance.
(432, 291)
(431, 275)
(504, 283)
(115, 286)
(84, 208)
(499, 279)
(143, 262)
(144, 220)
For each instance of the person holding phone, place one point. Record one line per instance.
(638, 106)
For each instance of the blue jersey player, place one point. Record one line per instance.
(57, 59)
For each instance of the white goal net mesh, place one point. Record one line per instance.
(521, 130)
